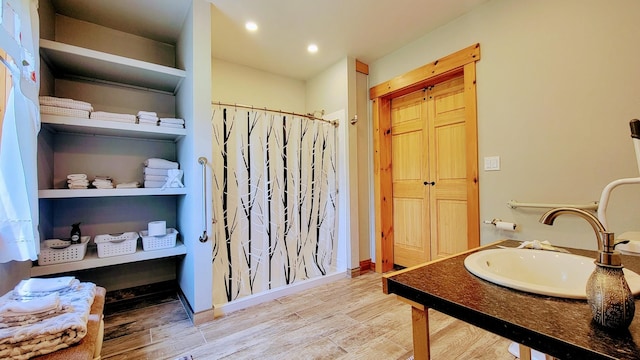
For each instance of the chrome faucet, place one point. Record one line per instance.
(606, 242)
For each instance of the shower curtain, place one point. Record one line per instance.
(274, 201)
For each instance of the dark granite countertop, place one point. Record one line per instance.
(558, 327)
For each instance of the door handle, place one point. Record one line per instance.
(432, 183)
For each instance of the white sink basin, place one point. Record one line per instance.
(540, 272)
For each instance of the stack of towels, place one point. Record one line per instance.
(147, 117)
(160, 173)
(109, 116)
(128, 185)
(77, 181)
(40, 316)
(65, 107)
(69, 107)
(42, 301)
(102, 182)
(172, 123)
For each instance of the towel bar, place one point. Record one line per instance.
(514, 204)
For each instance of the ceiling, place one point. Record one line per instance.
(362, 29)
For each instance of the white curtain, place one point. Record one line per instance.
(19, 237)
(275, 201)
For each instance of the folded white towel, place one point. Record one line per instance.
(78, 182)
(121, 120)
(147, 113)
(34, 285)
(155, 171)
(76, 176)
(65, 103)
(78, 186)
(172, 121)
(155, 178)
(175, 179)
(154, 184)
(106, 114)
(160, 163)
(33, 306)
(540, 245)
(103, 182)
(54, 110)
(129, 185)
(174, 126)
(148, 122)
(103, 115)
(148, 117)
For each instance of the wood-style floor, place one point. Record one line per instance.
(347, 319)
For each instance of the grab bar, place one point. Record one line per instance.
(203, 161)
(606, 193)
(515, 204)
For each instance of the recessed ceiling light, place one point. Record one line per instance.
(251, 26)
(312, 48)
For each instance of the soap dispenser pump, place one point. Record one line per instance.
(608, 293)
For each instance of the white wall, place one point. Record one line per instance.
(238, 84)
(334, 90)
(557, 86)
(193, 104)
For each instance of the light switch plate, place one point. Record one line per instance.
(492, 163)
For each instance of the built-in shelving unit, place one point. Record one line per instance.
(86, 193)
(65, 59)
(83, 61)
(65, 124)
(91, 260)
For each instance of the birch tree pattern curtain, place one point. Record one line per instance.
(274, 200)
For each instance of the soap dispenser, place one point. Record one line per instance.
(608, 293)
(76, 234)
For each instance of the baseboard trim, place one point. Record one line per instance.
(355, 272)
(256, 299)
(196, 318)
(366, 265)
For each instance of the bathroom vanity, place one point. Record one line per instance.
(561, 328)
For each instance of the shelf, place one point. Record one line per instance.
(74, 125)
(70, 60)
(86, 193)
(91, 260)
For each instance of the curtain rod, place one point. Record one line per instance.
(308, 116)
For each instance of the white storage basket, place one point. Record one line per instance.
(158, 242)
(55, 251)
(116, 244)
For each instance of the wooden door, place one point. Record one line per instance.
(459, 64)
(428, 142)
(447, 167)
(409, 146)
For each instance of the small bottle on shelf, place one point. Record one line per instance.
(76, 234)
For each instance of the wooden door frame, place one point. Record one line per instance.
(463, 63)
